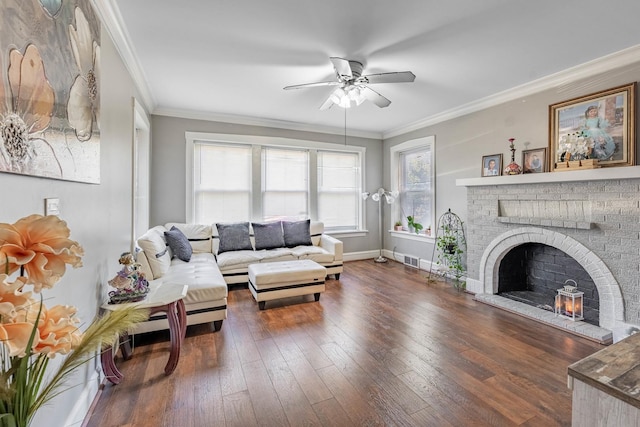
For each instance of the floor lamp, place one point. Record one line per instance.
(389, 197)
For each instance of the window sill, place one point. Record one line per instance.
(343, 234)
(411, 236)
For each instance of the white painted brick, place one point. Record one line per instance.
(603, 222)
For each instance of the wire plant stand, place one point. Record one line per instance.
(450, 249)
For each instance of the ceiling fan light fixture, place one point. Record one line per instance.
(355, 95)
(337, 96)
(347, 96)
(345, 102)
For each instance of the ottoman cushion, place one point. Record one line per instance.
(268, 281)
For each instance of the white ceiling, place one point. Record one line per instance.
(231, 58)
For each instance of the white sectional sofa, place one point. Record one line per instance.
(325, 250)
(220, 254)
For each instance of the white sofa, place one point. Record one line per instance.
(209, 271)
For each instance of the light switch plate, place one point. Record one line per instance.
(52, 206)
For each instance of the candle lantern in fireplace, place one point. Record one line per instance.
(569, 302)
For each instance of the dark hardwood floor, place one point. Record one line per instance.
(381, 347)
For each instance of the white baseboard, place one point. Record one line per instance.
(356, 256)
(84, 402)
(397, 256)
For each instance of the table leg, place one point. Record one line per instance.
(125, 346)
(182, 317)
(109, 366)
(175, 331)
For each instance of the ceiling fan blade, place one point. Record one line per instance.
(374, 97)
(305, 85)
(343, 68)
(395, 77)
(328, 103)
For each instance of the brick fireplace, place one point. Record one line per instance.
(592, 216)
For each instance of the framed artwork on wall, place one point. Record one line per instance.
(491, 165)
(50, 89)
(599, 127)
(534, 160)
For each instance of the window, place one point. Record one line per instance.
(339, 187)
(285, 184)
(413, 175)
(253, 178)
(221, 183)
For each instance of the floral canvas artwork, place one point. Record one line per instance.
(50, 89)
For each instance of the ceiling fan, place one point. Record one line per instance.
(353, 87)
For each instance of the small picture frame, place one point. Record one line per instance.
(534, 160)
(491, 165)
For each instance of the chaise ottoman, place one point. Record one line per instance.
(283, 279)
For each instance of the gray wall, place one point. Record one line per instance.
(168, 169)
(461, 142)
(99, 217)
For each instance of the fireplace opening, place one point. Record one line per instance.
(532, 273)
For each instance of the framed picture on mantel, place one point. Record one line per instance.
(492, 165)
(599, 127)
(534, 161)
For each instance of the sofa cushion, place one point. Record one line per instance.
(199, 235)
(314, 253)
(277, 254)
(201, 274)
(268, 235)
(234, 237)
(179, 244)
(156, 250)
(296, 233)
(238, 259)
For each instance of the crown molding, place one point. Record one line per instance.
(588, 69)
(109, 14)
(270, 123)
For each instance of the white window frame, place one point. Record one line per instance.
(257, 141)
(394, 164)
(141, 173)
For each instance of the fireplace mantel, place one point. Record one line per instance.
(627, 172)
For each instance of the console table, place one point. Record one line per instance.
(161, 299)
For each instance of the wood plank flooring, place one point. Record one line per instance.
(382, 347)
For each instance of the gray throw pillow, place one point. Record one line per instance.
(297, 233)
(234, 237)
(268, 235)
(179, 244)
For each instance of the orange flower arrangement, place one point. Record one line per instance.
(34, 252)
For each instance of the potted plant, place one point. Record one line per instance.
(397, 226)
(415, 226)
(450, 253)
